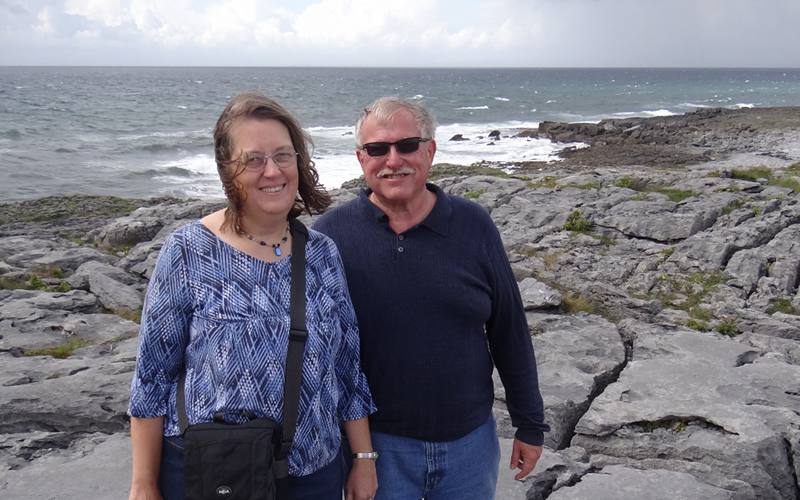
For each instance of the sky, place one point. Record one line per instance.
(405, 33)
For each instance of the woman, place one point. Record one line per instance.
(218, 305)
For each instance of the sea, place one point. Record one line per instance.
(146, 131)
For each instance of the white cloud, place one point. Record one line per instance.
(44, 24)
(408, 33)
(107, 12)
(345, 23)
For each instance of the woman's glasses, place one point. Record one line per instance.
(403, 146)
(257, 162)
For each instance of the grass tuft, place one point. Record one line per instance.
(548, 181)
(727, 327)
(700, 326)
(62, 351)
(783, 305)
(134, 315)
(575, 303)
(674, 195)
(752, 174)
(577, 222)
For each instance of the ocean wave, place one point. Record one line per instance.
(742, 105)
(504, 99)
(693, 105)
(337, 130)
(152, 173)
(12, 134)
(474, 107)
(417, 97)
(176, 134)
(644, 113)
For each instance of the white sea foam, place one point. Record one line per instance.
(336, 161)
(504, 99)
(743, 105)
(645, 113)
(473, 107)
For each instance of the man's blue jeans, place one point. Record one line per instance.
(464, 469)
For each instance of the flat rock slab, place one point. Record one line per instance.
(617, 482)
(101, 471)
(703, 404)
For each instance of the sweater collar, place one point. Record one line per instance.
(437, 221)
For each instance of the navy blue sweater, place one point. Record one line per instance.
(436, 305)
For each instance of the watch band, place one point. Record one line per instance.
(368, 455)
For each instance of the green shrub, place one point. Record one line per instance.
(625, 182)
(474, 194)
(783, 305)
(675, 195)
(786, 182)
(62, 351)
(604, 240)
(733, 205)
(35, 283)
(700, 313)
(134, 315)
(727, 327)
(700, 326)
(675, 425)
(548, 181)
(577, 222)
(752, 174)
(574, 303)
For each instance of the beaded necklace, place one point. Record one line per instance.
(276, 247)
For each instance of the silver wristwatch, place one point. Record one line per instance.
(368, 455)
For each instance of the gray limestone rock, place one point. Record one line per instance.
(537, 295)
(617, 481)
(698, 403)
(639, 403)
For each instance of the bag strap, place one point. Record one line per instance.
(294, 355)
(297, 343)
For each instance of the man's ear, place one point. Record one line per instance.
(431, 148)
(362, 157)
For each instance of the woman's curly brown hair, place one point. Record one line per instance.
(311, 196)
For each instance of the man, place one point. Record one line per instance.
(436, 303)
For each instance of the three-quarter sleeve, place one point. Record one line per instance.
(163, 333)
(355, 399)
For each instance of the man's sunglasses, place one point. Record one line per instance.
(403, 146)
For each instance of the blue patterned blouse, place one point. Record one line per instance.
(225, 315)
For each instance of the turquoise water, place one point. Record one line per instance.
(147, 131)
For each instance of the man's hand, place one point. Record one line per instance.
(524, 457)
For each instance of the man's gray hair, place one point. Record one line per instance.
(383, 108)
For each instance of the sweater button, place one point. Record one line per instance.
(401, 237)
(400, 249)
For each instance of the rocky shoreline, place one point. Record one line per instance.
(659, 267)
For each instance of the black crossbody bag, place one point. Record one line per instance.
(249, 461)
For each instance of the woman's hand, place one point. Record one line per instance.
(147, 491)
(362, 483)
